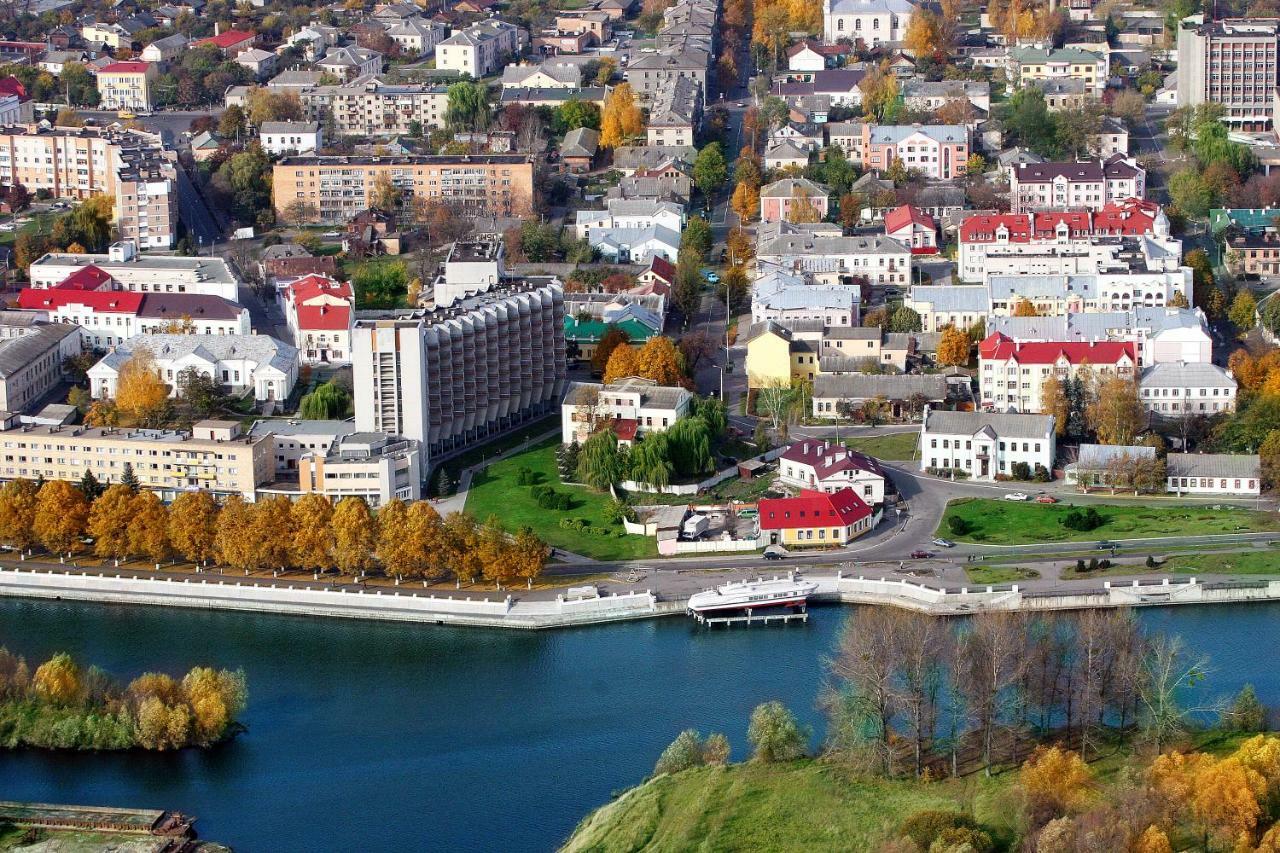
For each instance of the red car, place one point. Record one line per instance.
(921, 555)
(1046, 499)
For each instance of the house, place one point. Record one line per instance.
(550, 74)
(671, 181)
(928, 96)
(815, 518)
(820, 250)
(292, 266)
(939, 307)
(578, 150)
(126, 86)
(902, 393)
(109, 35)
(653, 73)
(1258, 252)
(786, 154)
(676, 114)
(658, 277)
(912, 228)
(1064, 95)
(623, 213)
(630, 407)
(415, 36)
(290, 137)
(165, 49)
(371, 232)
(778, 354)
(244, 363)
(779, 200)
(586, 334)
(1159, 334)
(109, 317)
(983, 445)
(204, 145)
(480, 49)
(230, 42)
(833, 87)
(863, 349)
(826, 467)
(1033, 64)
(938, 151)
(1011, 375)
(1214, 473)
(787, 297)
(806, 136)
(348, 63)
(319, 311)
(32, 353)
(869, 22)
(55, 61)
(806, 56)
(1111, 139)
(262, 63)
(1110, 290)
(1091, 184)
(1104, 464)
(1174, 389)
(635, 245)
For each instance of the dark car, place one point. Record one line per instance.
(773, 555)
(921, 555)
(1104, 545)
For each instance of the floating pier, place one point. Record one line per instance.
(749, 618)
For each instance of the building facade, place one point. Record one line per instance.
(31, 359)
(1175, 389)
(126, 86)
(630, 407)
(373, 108)
(255, 364)
(868, 21)
(1230, 62)
(984, 444)
(1011, 375)
(1214, 474)
(123, 266)
(1089, 185)
(826, 467)
(815, 519)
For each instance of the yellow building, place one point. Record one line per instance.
(815, 518)
(777, 355)
(126, 86)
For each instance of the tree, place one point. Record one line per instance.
(803, 207)
(953, 346)
(426, 540)
(991, 661)
(90, 486)
(696, 235)
(61, 516)
(612, 338)
(1025, 308)
(109, 522)
(300, 211)
(924, 34)
(327, 402)
(199, 390)
(216, 698)
(1055, 780)
(710, 169)
(574, 114)
(904, 319)
(355, 536)
(234, 542)
(265, 105)
(232, 124)
(687, 293)
(58, 680)
(1190, 193)
(1166, 676)
(467, 106)
(683, 753)
(879, 90)
(621, 118)
(775, 735)
(660, 360)
(650, 461)
(529, 555)
(393, 552)
(623, 362)
(1116, 414)
(746, 201)
(1130, 107)
(774, 400)
(1244, 310)
(311, 518)
(193, 526)
(1247, 713)
(599, 465)
(129, 479)
(18, 501)
(140, 392)
(149, 527)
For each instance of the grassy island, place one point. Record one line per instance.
(62, 705)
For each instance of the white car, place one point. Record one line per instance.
(1017, 496)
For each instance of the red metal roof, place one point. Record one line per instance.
(827, 458)
(99, 301)
(314, 284)
(225, 39)
(663, 268)
(901, 217)
(812, 509)
(1130, 217)
(324, 317)
(86, 278)
(13, 86)
(1001, 347)
(625, 428)
(125, 68)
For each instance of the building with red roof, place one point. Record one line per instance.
(912, 227)
(827, 467)
(126, 85)
(1012, 374)
(1071, 242)
(815, 518)
(230, 42)
(108, 316)
(320, 312)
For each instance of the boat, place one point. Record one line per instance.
(790, 591)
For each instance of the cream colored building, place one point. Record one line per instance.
(372, 108)
(369, 465)
(126, 86)
(341, 187)
(213, 456)
(31, 359)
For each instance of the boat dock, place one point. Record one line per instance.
(751, 618)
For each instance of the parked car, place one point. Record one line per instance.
(774, 553)
(711, 277)
(1046, 499)
(741, 103)
(1104, 545)
(921, 555)
(1016, 496)
(944, 543)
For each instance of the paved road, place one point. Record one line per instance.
(195, 214)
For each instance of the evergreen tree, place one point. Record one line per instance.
(444, 483)
(569, 461)
(128, 478)
(90, 486)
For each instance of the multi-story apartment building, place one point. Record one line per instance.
(126, 85)
(1173, 389)
(1067, 242)
(416, 37)
(630, 407)
(376, 467)
(1089, 185)
(1256, 252)
(348, 63)
(1230, 62)
(676, 114)
(457, 373)
(1035, 64)
(868, 21)
(1072, 294)
(255, 364)
(1159, 334)
(290, 137)
(1011, 374)
(653, 73)
(481, 49)
(939, 151)
(778, 199)
(984, 444)
(131, 166)
(141, 273)
(372, 108)
(213, 456)
(960, 306)
(824, 252)
(31, 357)
(341, 187)
(108, 317)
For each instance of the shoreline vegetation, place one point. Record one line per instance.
(62, 705)
(998, 733)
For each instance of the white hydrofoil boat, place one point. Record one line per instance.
(753, 595)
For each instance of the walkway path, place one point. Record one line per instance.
(458, 500)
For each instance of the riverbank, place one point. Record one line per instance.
(403, 604)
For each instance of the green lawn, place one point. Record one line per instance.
(1239, 563)
(999, 574)
(476, 455)
(36, 222)
(494, 492)
(898, 445)
(999, 522)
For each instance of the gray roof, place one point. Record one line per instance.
(651, 395)
(580, 142)
(289, 127)
(1213, 465)
(261, 349)
(1096, 456)
(865, 386)
(959, 298)
(1002, 424)
(19, 352)
(301, 427)
(284, 250)
(803, 244)
(786, 188)
(516, 75)
(1096, 326)
(1181, 374)
(1004, 287)
(853, 333)
(937, 132)
(944, 88)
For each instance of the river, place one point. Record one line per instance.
(372, 736)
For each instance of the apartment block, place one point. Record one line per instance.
(1088, 185)
(1012, 374)
(341, 187)
(480, 50)
(1037, 64)
(126, 86)
(214, 456)
(939, 151)
(131, 166)
(31, 358)
(676, 114)
(1230, 62)
(373, 466)
(372, 108)
(460, 372)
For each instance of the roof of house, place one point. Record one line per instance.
(1182, 374)
(125, 68)
(1097, 325)
(1216, 465)
(591, 331)
(1088, 170)
(324, 317)
(1001, 423)
(197, 306)
(652, 395)
(580, 142)
(787, 187)
(957, 298)
(998, 346)
(901, 217)
(1098, 456)
(813, 509)
(663, 269)
(225, 39)
(827, 458)
(90, 277)
(300, 265)
(18, 353)
(101, 301)
(261, 349)
(891, 386)
(895, 133)
(289, 127)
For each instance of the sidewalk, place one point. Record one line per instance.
(458, 500)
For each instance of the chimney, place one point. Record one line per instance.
(217, 28)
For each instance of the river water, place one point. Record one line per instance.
(371, 736)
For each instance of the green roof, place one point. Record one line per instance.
(592, 331)
(1249, 218)
(1039, 54)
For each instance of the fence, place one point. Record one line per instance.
(714, 480)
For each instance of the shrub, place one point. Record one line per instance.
(1021, 471)
(925, 827)
(1080, 566)
(1086, 519)
(963, 838)
(1104, 564)
(683, 753)
(958, 526)
(1042, 474)
(1151, 562)
(1247, 713)
(1093, 564)
(526, 477)
(774, 734)
(541, 492)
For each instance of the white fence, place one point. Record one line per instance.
(693, 488)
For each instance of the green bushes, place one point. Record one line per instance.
(549, 498)
(689, 750)
(1020, 471)
(1086, 519)
(958, 526)
(949, 830)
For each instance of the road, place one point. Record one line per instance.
(195, 214)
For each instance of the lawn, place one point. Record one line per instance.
(898, 445)
(998, 522)
(999, 574)
(36, 222)
(494, 492)
(488, 450)
(379, 282)
(1237, 563)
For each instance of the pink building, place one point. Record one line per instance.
(779, 199)
(939, 151)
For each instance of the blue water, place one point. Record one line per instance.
(367, 736)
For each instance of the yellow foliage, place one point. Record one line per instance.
(149, 527)
(17, 513)
(661, 361)
(1270, 841)
(1153, 840)
(109, 521)
(746, 201)
(622, 363)
(215, 697)
(140, 392)
(1024, 308)
(953, 346)
(621, 118)
(193, 525)
(1222, 795)
(57, 680)
(61, 516)
(1261, 754)
(1056, 777)
(312, 520)
(355, 533)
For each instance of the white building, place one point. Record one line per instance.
(1160, 334)
(110, 317)
(1214, 474)
(630, 213)
(822, 251)
(332, 458)
(142, 273)
(868, 21)
(826, 467)
(630, 408)
(348, 63)
(290, 137)
(636, 245)
(1174, 389)
(244, 363)
(939, 307)
(416, 36)
(320, 312)
(479, 50)
(984, 444)
(1106, 291)
(1011, 375)
(1088, 185)
(787, 297)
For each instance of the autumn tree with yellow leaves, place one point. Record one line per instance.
(621, 119)
(193, 526)
(149, 527)
(355, 536)
(953, 346)
(312, 543)
(234, 540)
(140, 392)
(109, 522)
(61, 516)
(18, 500)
